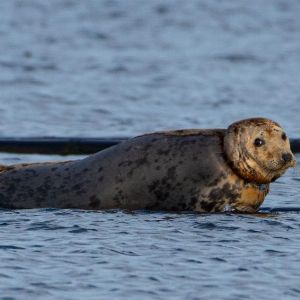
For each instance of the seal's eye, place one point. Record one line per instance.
(283, 136)
(259, 142)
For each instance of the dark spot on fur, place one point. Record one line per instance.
(146, 147)
(153, 186)
(85, 170)
(228, 192)
(187, 142)
(54, 169)
(171, 172)
(77, 186)
(208, 206)
(160, 195)
(119, 179)
(119, 196)
(215, 194)
(100, 169)
(182, 205)
(193, 202)
(163, 152)
(130, 173)
(125, 163)
(94, 202)
(101, 179)
(141, 161)
(33, 172)
(214, 182)
(157, 168)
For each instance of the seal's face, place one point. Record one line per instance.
(258, 150)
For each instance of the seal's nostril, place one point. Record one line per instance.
(287, 157)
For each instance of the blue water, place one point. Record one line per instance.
(121, 68)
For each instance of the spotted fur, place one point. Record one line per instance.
(192, 170)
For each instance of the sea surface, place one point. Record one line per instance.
(111, 68)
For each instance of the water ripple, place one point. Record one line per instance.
(122, 68)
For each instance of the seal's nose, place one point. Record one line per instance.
(287, 157)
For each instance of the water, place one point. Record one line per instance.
(103, 68)
(73, 254)
(121, 68)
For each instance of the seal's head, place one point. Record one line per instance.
(258, 150)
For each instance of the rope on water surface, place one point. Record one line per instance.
(73, 145)
(279, 209)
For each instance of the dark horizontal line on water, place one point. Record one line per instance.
(57, 145)
(279, 209)
(72, 145)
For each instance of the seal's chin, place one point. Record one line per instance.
(275, 174)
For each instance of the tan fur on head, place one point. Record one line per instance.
(255, 149)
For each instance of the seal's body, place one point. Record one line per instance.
(196, 170)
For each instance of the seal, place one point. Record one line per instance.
(198, 170)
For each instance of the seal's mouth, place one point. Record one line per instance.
(283, 165)
(283, 168)
(273, 169)
(280, 165)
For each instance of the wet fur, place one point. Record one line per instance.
(176, 170)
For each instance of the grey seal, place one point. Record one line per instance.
(208, 170)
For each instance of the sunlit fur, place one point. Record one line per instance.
(261, 164)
